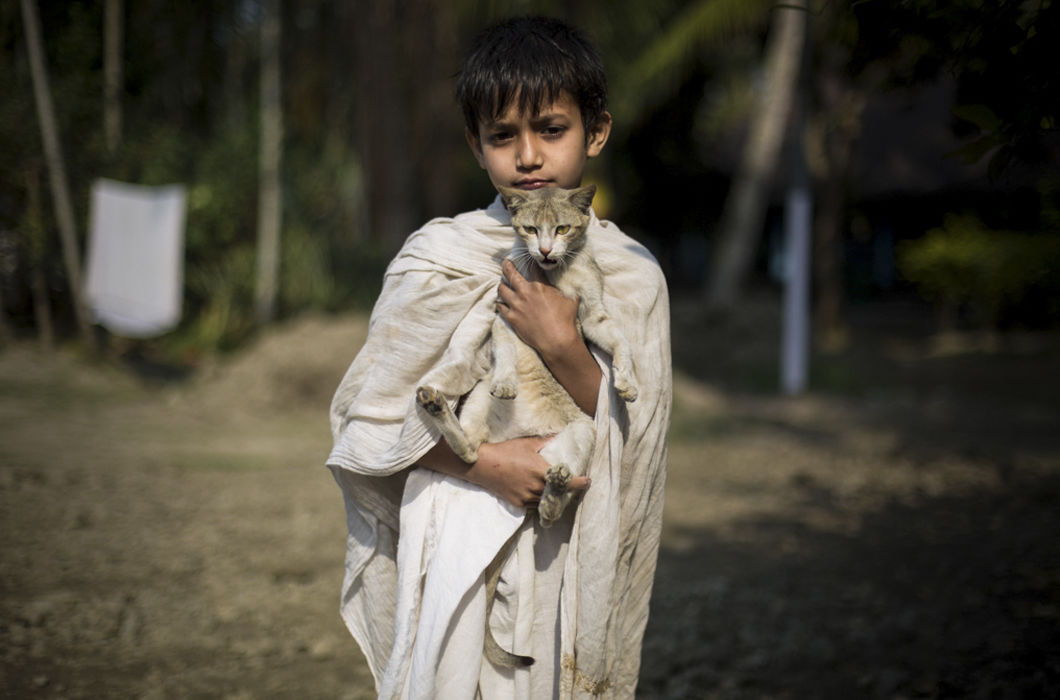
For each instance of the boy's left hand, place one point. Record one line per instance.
(538, 312)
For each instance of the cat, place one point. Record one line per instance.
(519, 396)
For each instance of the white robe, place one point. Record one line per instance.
(416, 603)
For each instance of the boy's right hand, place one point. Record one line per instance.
(514, 471)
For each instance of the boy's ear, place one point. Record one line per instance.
(476, 146)
(598, 135)
(583, 198)
(513, 198)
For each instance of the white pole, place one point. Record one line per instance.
(795, 328)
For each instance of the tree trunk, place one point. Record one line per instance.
(838, 126)
(383, 123)
(112, 73)
(57, 173)
(745, 207)
(433, 114)
(36, 247)
(270, 213)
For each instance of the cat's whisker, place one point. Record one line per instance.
(523, 259)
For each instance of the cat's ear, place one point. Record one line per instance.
(582, 198)
(513, 198)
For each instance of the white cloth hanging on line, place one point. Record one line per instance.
(135, 269)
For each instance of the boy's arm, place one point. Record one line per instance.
(545, 320)
(512, 470)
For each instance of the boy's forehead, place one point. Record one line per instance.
(564, 104)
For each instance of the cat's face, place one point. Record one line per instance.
(551, 222)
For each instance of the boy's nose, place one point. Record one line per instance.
(528, 155)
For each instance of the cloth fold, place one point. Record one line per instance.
(418, 621)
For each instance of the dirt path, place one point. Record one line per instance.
(184, 541)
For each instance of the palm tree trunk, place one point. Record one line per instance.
(270, 213)
(838, 126)
(112, 73)
(35, 245)
(64, 211)
(744, 214)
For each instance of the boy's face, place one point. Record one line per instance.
(529, 151)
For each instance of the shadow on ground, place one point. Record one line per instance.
(890, 535)
(943, 598)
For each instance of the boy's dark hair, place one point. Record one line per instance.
(533, 59)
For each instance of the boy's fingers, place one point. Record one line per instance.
(536, 274)
(580, 483)
(511, 274)
(537, 442)
(503, 292)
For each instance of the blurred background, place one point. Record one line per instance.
(927, 131)
(869, 189)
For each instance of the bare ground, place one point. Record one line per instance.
(891, 535)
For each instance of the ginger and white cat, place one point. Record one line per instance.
(520, 397)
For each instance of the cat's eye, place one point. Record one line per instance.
(560, 230)
(532, 230)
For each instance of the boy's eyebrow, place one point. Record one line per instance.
(536, 120)
(546, 117)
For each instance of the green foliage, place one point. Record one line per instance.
(190, 116)
(663, 65)
(306, 280)
(222, 291)
(995, 275)
(682, 74)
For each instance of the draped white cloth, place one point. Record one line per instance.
(415, 602)
(134, 281)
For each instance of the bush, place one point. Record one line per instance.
(985, 277)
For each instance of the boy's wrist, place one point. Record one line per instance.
(480, 467)
(563, 348)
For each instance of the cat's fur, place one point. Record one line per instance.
(520, 397)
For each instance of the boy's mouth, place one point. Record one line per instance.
(532, 184)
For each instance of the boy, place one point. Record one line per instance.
(574, 596)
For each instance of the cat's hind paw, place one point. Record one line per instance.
(556, 496)
(431, 399)
(626, 387)
(558, 478)
(503, 389)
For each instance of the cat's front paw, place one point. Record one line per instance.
(555, 497)
(626, 387)
(431, 400)
(503, 389)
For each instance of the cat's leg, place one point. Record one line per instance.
(602, 330)
(568, 456)
(475, 413)
(505, 379)
(437, 408)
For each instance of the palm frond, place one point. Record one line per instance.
(663, 63)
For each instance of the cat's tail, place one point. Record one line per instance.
(493, 651)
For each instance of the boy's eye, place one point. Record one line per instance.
(553, 131)
(499, 137)
(560, 230)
